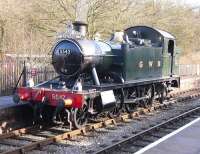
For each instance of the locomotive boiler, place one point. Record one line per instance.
(134, 68)
(73, 57)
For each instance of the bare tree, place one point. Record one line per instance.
(2, 33)
(30, 26)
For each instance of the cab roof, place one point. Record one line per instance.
(147, 30)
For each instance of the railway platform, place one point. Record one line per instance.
(12, 115)
(185, 140)
(6, 101)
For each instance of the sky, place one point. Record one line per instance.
(193, 3)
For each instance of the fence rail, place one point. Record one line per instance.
(11, 70)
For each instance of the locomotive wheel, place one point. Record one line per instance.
(144, 102)
(115, 112)
(42, 114)
(47, 114)
(79, 117)
(131, 107)
(162, 94)
(150, 94)
(37, 117)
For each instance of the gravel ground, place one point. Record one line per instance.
(102, 137)
(5, 148)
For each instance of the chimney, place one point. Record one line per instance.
(80, 27)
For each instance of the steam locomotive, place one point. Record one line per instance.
(130, 70)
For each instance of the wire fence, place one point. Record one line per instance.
(41, 70)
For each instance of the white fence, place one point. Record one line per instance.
(189, 70)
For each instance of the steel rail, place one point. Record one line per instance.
(82, 131)
(148, 131)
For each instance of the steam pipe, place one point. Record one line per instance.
(95, 76)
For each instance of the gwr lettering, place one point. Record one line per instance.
(159, 63)
(150, 63)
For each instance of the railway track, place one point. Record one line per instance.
(37, 138)
(139, 140)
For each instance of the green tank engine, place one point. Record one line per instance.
(133, 69)
(142, 53)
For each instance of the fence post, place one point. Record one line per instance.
(197, 69)
(45, 73)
